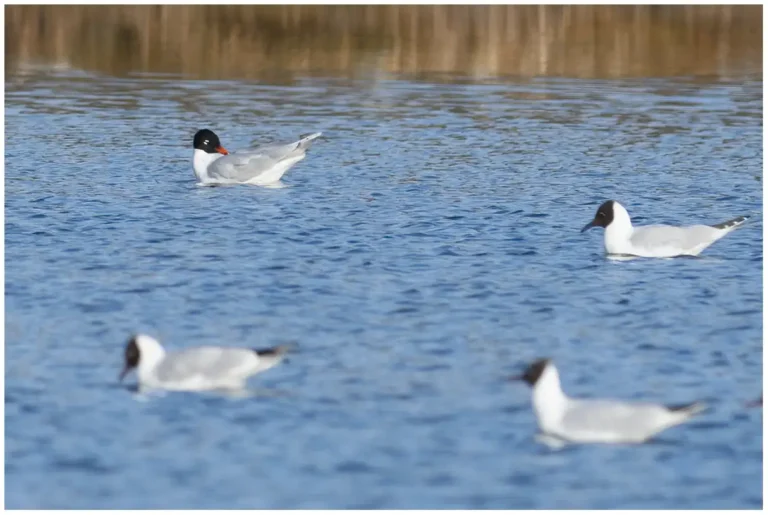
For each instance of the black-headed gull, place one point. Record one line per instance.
(596, 420)
(261, 166)
(196, 368)
(662, 241)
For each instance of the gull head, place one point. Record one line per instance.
(533, 373)
(141, 349)
(207, 141)
(603, 217)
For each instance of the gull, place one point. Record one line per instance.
(262, 166)
(596, 420)
(195, 368)
(662, 241)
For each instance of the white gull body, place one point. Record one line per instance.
(661, 241)
(596, 420)
(261, 166)
(196, 368)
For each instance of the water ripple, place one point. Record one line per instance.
(427, 248)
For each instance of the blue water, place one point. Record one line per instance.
(427, 247)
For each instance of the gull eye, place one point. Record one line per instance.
(205, 142)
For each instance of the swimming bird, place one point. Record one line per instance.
(596, 420)
(262, 166)
(196, 368)
(621, 238)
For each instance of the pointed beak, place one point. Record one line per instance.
(222, 150)
(589, 226)
(123, 374)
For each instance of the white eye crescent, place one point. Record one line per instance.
(205, 142)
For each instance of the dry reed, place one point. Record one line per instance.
(253, 41)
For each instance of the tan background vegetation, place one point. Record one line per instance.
(250, 41)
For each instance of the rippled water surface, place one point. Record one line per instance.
(428, 247)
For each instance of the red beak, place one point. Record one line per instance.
(222, 150)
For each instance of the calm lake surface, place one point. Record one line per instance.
(427, 247)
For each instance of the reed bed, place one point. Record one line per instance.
(500, 40)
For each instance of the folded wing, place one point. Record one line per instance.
(674, 240)
(589, 419)
(247, 165)
(212, 364)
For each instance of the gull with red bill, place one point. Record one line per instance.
(261, 166)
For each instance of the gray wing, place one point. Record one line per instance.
(212, 363)
(674, 240)
(248, 164)
(587, 417)
(240, 167)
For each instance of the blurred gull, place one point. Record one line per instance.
(596, 420)
(196, 368)
(621, 238)
(261, 166)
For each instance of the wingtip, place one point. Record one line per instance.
(690, 409)
(734, 223)
(277, 351)
(310, 136)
